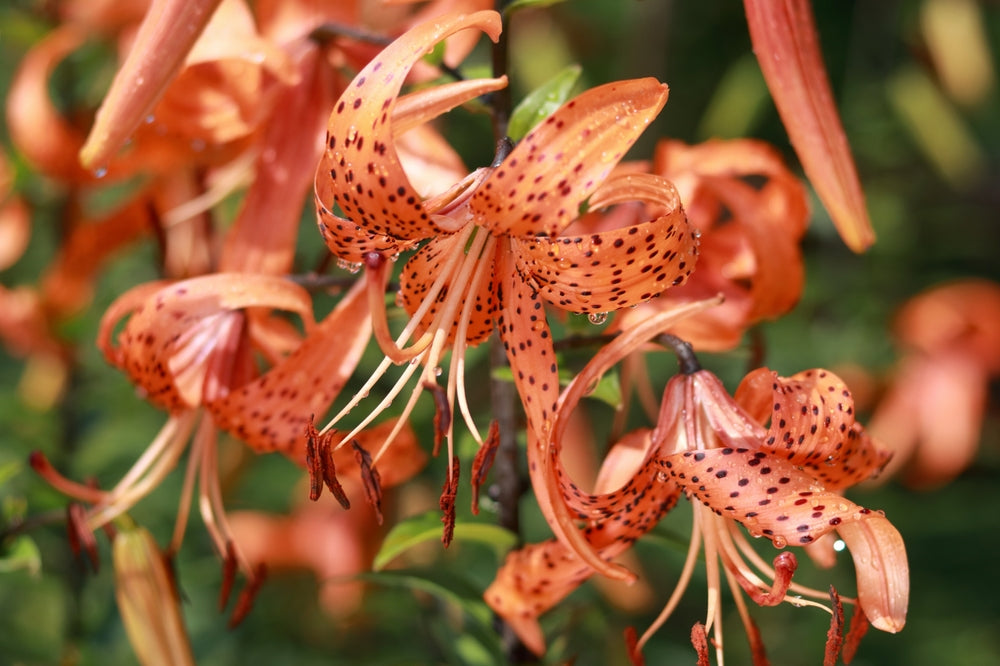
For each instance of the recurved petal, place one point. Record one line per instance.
(784, 39)
(181, 335)
(166, 35)
(361, 164)
(271, 412)
(770, 496)
(539, 187)
(813, 425)
(42, 135)
(614, 269)
(882, 569)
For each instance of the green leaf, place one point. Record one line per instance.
(22, 555)
(523, 4)
(541, 102)
(427, 527)
(9, 470)
(474, 607)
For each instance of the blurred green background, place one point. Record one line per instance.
(927, 152)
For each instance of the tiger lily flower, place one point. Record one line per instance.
(784, 38)
(493, 249)
(782, 481)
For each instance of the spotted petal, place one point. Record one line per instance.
(813, 426)
(361, 167)
(614, 269)
(538, 189)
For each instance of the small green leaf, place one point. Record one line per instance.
(541, 102)
(523, 4)
(22, 555)
(9, 470)
(427, 527)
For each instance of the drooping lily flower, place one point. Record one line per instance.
(783, 33)
(496, 247)
(782, 481)
(950, 337)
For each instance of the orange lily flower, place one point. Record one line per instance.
(498, 245)
(783, 33)
(950, 336)
(781, 481)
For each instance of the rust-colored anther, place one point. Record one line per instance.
(483, 461)
(81, 539)
(369, 479)
(244, 604)
(447, 503)
(835, 635)
(442, 414)
(857, 630)
(229, 566)
(699, 639)
(632, 647)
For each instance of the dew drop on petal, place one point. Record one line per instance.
(597, 318)
(100, 172)
(779, 541)
(348, 266)
(150, 119)
(438, 371)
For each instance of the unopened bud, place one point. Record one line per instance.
(148, 600)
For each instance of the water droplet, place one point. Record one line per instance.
(696, 233)
(661, 476)
(839, 545)
(100, 172)
(779, 541)
(150, 119)
(438, 371)
(597, 318)
(564, 263)
(796, 601)
(348, 266)
(538, 326)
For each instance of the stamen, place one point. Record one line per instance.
(369, 479)
(447, 503)
(229, 567)
(835, 635)
(694, 545)
(51, 475)
(245, 602)
(632, 648)
(81, 538)
(857, 630)
(147, 473)
(699, 639)
(442, 413)
(483, 461)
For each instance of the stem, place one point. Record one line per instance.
(685, 354)
(500, 103)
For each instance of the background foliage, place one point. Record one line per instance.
(934, 203)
